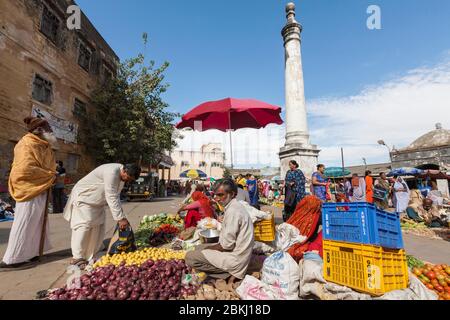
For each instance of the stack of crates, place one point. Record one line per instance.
(264, 230)
(363, 248)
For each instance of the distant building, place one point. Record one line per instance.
(210, 159)
(376, 169)
(50, 71)
(431, 151)
(236, 172)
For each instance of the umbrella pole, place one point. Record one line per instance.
(231, 140)
(231, 151)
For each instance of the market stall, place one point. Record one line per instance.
(287, 262)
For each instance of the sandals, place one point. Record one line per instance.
(80, 263)
(17, 266)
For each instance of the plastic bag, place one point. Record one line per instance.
(281, 272)
(263, 248)
(286, 236)
(122, 241)
(253, 289)
(209, 223)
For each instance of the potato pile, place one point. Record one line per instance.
(137, 258)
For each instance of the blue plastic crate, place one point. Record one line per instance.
(361, 223)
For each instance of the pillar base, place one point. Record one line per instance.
(306, 156)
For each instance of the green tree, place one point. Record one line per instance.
(130, 121)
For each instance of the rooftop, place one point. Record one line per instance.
(433, 139)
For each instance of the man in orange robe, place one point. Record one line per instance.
(32, 175)
(369, 187)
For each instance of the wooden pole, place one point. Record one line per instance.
(44, 226)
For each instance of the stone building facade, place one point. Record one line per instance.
(48, 70)
(210, 159)
(431, 151)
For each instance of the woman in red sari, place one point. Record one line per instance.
(199, 209)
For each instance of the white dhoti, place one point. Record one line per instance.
(87, 242)
(25, 236)
(88, 231)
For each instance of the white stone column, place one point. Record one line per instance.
(296, 118)
(298, 146)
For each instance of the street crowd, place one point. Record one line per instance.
(35, 172)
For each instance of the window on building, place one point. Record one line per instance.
(107, 73)
(79, 108)
(50, 25)
(42, 90)
(72, 163)
(202, 164)
(216, 165)
(184, 164)
(84, 56)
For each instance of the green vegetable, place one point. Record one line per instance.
(414, 262)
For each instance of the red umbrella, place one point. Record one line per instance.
(231, 114)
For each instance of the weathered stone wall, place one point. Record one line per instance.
(26, 51)
(437, 156)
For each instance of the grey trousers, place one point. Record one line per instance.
(196, 260)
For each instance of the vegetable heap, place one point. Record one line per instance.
(153, 280)
(414, 262)
(436, 278)
(164, 234)
(139, 257)
(409, 224)
(149, 224)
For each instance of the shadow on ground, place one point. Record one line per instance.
(4, 235)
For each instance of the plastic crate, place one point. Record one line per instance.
(365, 268)
(265, 230)
(361, 223)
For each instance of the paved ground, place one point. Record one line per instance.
(52, 273)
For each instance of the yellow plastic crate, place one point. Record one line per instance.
(265, 230)
(365, 268)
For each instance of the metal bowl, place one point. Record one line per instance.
(209, 236)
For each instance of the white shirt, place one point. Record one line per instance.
(243, 195)
(93, 193)
(236, 235)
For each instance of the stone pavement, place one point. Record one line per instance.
(51, 273)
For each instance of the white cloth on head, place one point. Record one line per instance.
(359, 193)
(26, 230)
(237, 237)
(401, 197)
(98, 189)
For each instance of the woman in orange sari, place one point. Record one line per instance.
(199, 209)
(369, 187)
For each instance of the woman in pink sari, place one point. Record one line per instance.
(266, 189)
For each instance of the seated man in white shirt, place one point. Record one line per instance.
(229, 259)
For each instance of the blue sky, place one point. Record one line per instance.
(234, 48)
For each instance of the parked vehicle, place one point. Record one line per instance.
(141, 189)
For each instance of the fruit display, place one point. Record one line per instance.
(139, 257)
(149, 224)
(436, 278)
(153, 280)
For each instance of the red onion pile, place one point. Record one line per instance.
(153, 280)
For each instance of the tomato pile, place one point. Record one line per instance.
(164, 234)
(436, 278)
